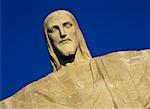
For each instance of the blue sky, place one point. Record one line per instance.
(107, 25)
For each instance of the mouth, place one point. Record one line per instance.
(65, 41)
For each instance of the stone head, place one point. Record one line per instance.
(63, 36)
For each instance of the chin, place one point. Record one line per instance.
(69, 52)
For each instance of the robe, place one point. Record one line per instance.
(119, 80)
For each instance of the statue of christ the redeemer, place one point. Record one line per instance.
(119, 80)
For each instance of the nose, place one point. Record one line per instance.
(62, 33)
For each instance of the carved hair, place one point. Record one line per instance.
(82, 44)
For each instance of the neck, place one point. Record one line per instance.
(78, 57)
(73, 59)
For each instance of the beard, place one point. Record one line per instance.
(65, 52)
(67, 49)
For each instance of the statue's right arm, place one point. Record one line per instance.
(20, 100)
(33, 96)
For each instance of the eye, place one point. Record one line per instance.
(49, 31)
(53, 29)
(67, 24)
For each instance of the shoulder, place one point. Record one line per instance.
(125, 55)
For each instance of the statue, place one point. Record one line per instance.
(118, 80)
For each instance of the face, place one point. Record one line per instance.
(62, 32)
